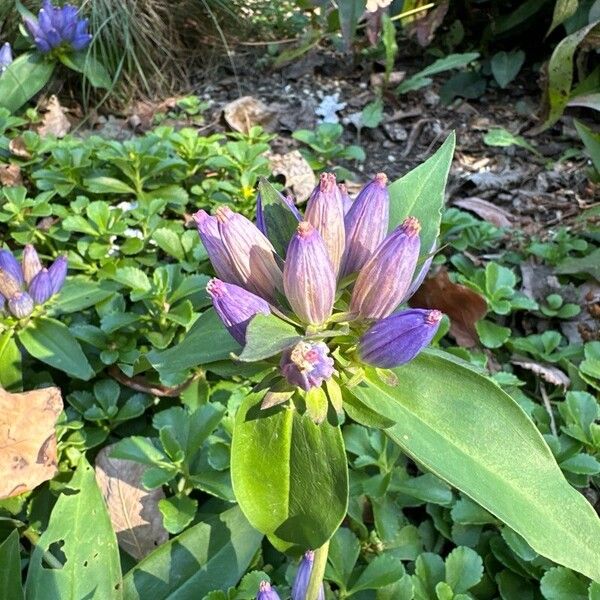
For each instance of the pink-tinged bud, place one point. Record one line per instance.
(302, 579)
(251, 255)
(386, 277)
(266, 592)
(326, 213)
(308, 277)
(346, 200)
(40, 289)
(9, 286)
(397, 339)
(11, 265)
(235, 307)
(307, 364)
(366, 224)
(20, 305)
(58, 273)
(31, 263)
(208, 230)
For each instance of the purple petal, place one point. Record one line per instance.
(40, 288)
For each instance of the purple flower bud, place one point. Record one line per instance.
(31, 263)
(58, 273)
(2, 304)
(303, 577)
(266, 592)
(20, 305)
(208, 230)
(385, 278)
(9, 286)
(346, 200)
(325, 212)
(40, 289)
(307, 364)
(397, 339)
(235, 307)
(308, 277)
(6, 57)
(251, 255)
(420, 276)
(366, 224)
(11, 265)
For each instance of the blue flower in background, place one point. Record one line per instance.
(6, 57)
(56, 27)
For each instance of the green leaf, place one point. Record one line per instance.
(289, 475)
(429, 571)
(177, 512)
(466, 430)
(139, 449)
(491, 334)
(506, 66)
(464, 569)
(80, 293)
(90, 67)
(343, 554)
(420, 193)
(23, 79)
(209, 556)
(563, 10)
(383, 570)
(168, 241)
(92, 568)
(372, 114)
(588, 264)
(502, 137)
(133, 278)
(51, 342)
(350, 12)
(268, 335)
(591, 141)
(559, 583)
(10, 362)
(10, 568)
(107, 185)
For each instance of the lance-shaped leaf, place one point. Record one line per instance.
(461, 426)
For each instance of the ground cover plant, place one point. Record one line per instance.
(219, 381)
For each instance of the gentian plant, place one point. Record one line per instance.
(314, 306)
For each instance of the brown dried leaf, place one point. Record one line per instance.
(485, 210)
(299, 177)
(425, 24)
(133, 510)
(10, 175)
(247, 111)
(464, 306)
(27, 439)
(55, 121)
(395, 78)
(546, 372)
(17, 147)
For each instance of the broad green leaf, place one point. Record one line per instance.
(429, 571)
(383, 570)
(561, 584)
(350, 12)
(447, 63)
(80, 293)
(464, 569)
(506, 66)
(589, 264)
(289, 475)
(177, 512)
(591, 141)
(267, 335)
(502, 137)
(344, 550)
(420, 193)
(10, 362)
(102, 184)
(372, 114)
(51, 342)
(211, 555)
(81, 534)
(466, 430)
(90, 67)
(23, 79)
(10, 568)
(168, 241)
(563, 9)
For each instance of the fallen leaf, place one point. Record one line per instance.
(546, 372)
(10, 175)
(17, 147)
(133, 510)
(425, 25)
(246, 112)
(485, 210)
(299, 177)
(143, 112)
(464, 306)
(54, 121)
(395, 78)
(27, 439)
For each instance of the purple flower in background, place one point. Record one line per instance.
(397, 339)
(235, 306)
(307, 364)
(6, 57)
(266, 592)
(303, 577)
(58, 27)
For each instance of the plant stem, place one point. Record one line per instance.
(318, 570)
(49, 558)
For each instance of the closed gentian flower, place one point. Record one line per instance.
(385, 279)
(307, 364)
(366, 224)
(266, 592)
(397, 339)
(346, 200)
(260, 212)
(326, 213)
(303, 577)
(20, 305)
(11, 265)
(9, 286)
(40, 289)
(250, 253)
(6, 57)
(58, 273)
(235, 307)
(308, 277)
(31, 263)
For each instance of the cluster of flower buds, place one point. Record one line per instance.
(336, 238)
(6, 57)
(25, 285)
(58, 27)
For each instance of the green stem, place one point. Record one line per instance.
(49, 558)
(318, 570)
